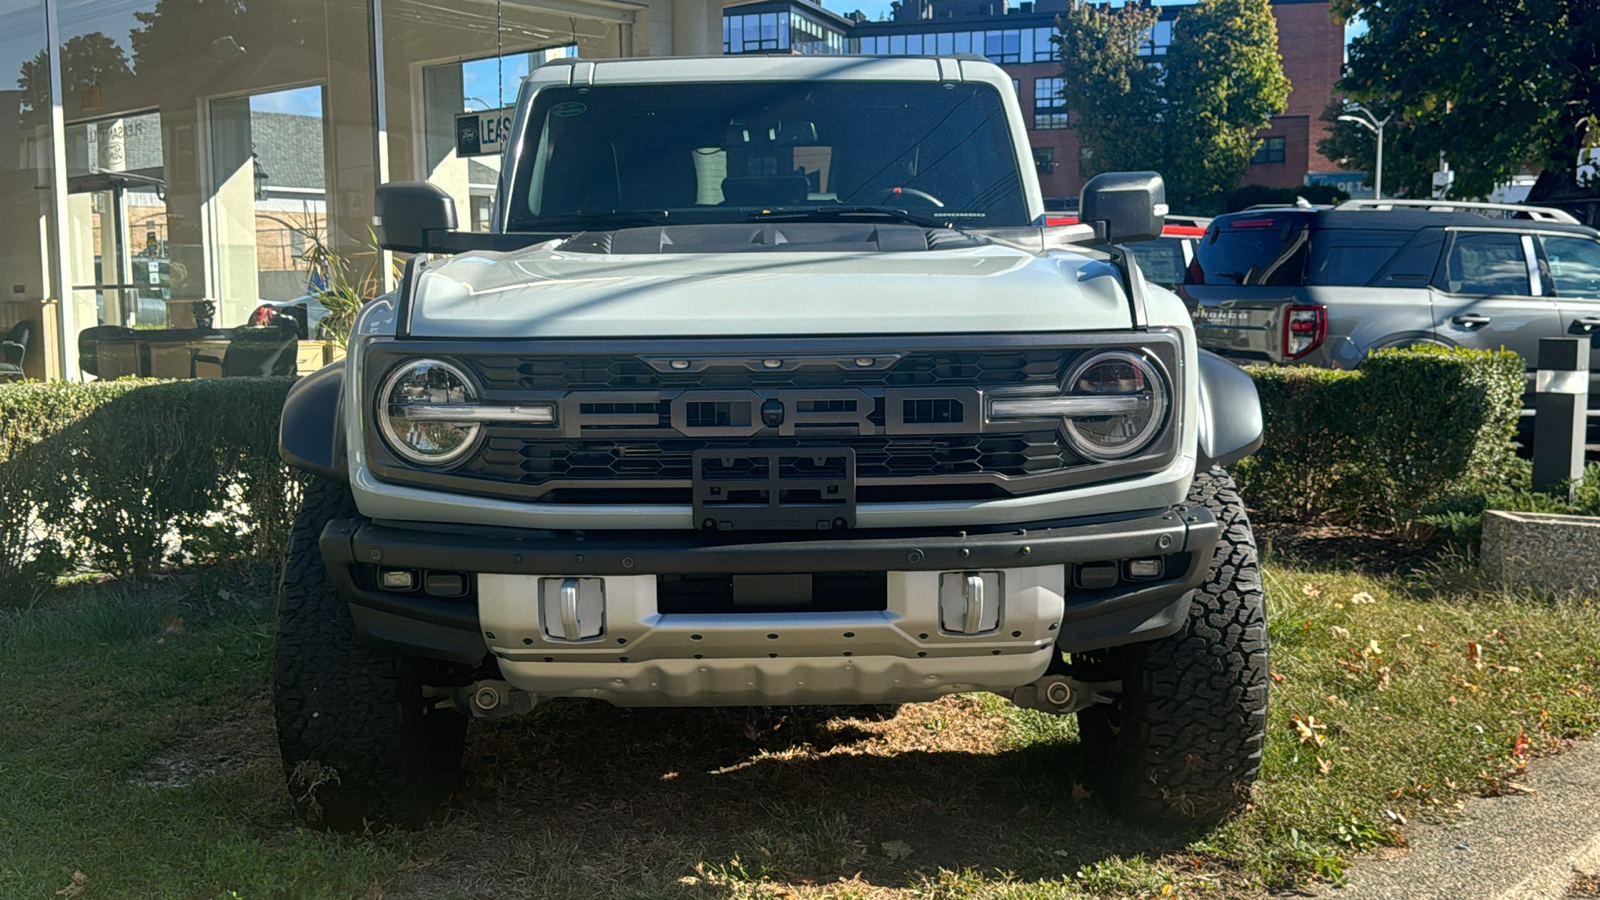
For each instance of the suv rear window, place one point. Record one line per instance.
(1258, 250)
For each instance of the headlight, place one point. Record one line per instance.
(1136, 387)
(408, 417)
(1112, 405)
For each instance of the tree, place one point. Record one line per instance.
(1224, 83)
(1192, 117)
(87, 60)
(1112, 91)
(1410, 150)
(1496, 85)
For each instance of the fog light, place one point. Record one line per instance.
(1096, 575)
(969, 602)
(1144, 569)
(398, 580)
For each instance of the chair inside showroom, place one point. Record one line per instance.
(14, 349)
(253, 351)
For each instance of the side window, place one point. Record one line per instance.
(1487, 263)
(1574, 265)
(1348, 257)
(1414, 266)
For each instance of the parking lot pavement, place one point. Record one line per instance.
(1514, 847)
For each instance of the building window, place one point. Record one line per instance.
(1270, 151)
(1016, 87)
(1157, 41)
(1044, 159)
(1048, 111)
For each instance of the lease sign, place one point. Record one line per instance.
(483, 133)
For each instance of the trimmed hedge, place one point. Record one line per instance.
(127, 477)
(1409, 430)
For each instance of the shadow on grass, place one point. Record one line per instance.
(644, 802)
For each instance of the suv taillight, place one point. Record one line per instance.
(1304, 328)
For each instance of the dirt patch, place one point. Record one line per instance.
(244, 739)
(584, 799)
(1343, 547)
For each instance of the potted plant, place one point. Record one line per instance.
(205, 313)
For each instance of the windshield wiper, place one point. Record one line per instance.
(834, 213)
(614, 218)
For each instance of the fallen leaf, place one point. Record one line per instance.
(1309, 729)
(1519, 747)
(76, 887)
(1080, 793)
(416, 862)
(1497, 635)
(1324, 765)
(1336, 700)
(1518, 787)
(1395, 817)
(896, 849)
(172, 625)
(1276, 678)
(1311, 590)
(1383, 678)
(1342, 634)
(784, 893)
(1373, 649)
(1362, 597)
(1452, 701)
(1475, 654)
(375, 892)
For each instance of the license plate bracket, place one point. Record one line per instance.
(775, 489)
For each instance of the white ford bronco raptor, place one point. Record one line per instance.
(770, 386)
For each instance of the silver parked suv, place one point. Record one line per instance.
(771, 386)
(1325, 287)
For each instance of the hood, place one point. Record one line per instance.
(544, 291)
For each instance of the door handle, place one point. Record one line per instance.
(1471, 320)
(1587, 323)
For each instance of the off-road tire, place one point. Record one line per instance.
(359, 744)
(1182, 744)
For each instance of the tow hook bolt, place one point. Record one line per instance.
(1059, 693)
(486, 698)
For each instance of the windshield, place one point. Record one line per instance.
(694, 153)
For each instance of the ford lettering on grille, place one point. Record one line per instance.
(781, 413)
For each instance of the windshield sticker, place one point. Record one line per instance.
(568, 110)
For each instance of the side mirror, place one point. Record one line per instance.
(406, 213)
(1124, 206)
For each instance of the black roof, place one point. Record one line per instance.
(1403, 220)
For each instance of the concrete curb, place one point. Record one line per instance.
(1515, 847)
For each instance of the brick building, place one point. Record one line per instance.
(1310, 40)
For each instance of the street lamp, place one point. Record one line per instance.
(1373, 124)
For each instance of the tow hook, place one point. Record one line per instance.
(488, 699)
(1060, 694)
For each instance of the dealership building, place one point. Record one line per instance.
(166, 157)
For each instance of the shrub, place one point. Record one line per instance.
(1409, 430)
(127, 476)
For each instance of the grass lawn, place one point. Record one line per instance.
(136, 748)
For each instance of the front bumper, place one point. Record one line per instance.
(897, 653)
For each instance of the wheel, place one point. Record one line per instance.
(359, 743)
(1182, 743)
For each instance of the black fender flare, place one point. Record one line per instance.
(1229, 417)
(311, 433)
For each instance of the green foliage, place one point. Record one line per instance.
(1496, 86)
(127, 477)
(1410, 430)
(1224, 83)
(1460, 519)
(1193, 118)
(1113, 92)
